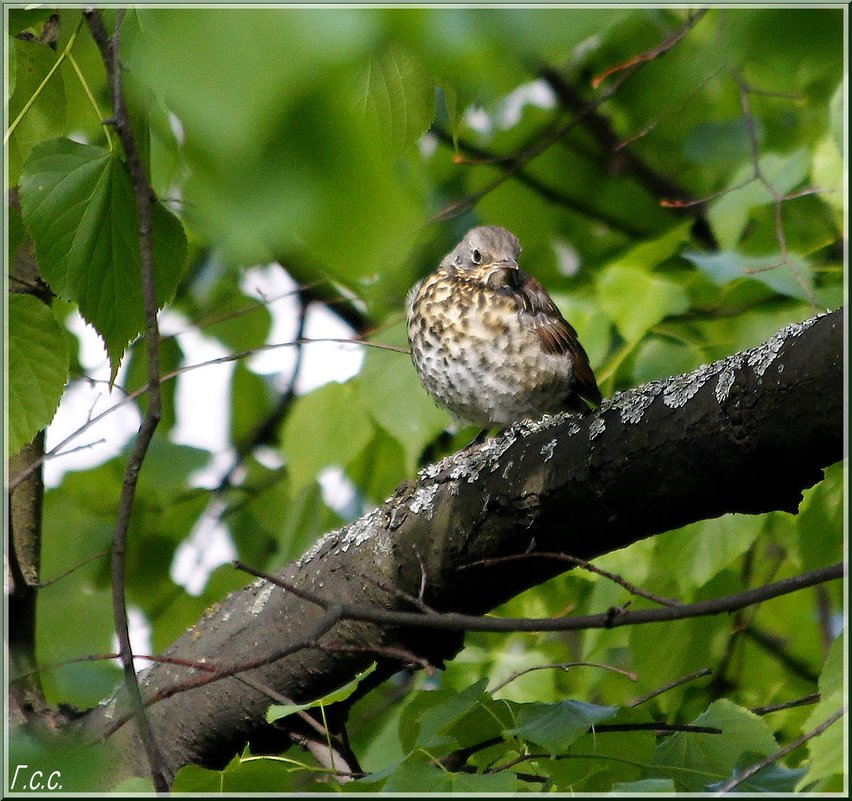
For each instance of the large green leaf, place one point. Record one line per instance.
(78, 204)
(695, 760)
(38, 367)
(398, 97)
(556, 726)
(327, 427)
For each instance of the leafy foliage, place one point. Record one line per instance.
(685, 216)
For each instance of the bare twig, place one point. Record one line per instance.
(581, 563)
(670, 686)
(805, 700)
(144, 195)
(452, 621)
(780, 753)
(563, 666)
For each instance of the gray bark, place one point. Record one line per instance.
(746, 434)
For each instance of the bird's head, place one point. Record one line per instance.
(487, 253)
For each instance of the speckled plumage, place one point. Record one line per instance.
(488, 342)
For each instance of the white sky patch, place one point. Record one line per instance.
(202, 396)
(82, 401)
(339, 493)
(140, 637)
(327, 361)
(208, 546)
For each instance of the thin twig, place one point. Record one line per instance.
(563, 666)
(453, 621)
(231, 357)
(706, 671)
(780, 753)
(582, 563)
(805, 700)
(144, 196)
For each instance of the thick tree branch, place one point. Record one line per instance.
(746, 434)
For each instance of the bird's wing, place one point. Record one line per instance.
(555, 333)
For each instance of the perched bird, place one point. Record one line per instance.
(488, 342)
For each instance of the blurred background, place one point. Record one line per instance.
(676, 181)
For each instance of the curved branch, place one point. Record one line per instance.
(745, 434)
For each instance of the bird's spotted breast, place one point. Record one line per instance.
(487, 341)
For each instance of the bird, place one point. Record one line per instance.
(488, 342)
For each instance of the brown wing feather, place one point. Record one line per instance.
(555, 333)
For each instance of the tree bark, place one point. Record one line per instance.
(746, 434)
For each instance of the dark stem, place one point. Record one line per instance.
(144, 195)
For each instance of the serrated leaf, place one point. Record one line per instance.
(695, 760)
(726, 266)
(38, 368)
(398, 96)
(556, 726)
(327, 427)
(78, 204)
(278, 711)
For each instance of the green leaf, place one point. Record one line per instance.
(697, 552)
(251, 403)
(327, 427)
(430, 714)
(137, 376)
(646, 786)
(774, 779)
(45, 117)
(38, 368)
(556, 726)
(16, 235)
(632, 295)
(826, 750)
(636, 300)
(726, 266)
(658, 358)
(78, 204)
(729, 214)
(278, 711)
(398, 98)
(695, 760)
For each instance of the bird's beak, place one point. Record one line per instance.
(502, 273)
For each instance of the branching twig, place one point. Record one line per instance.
(452, 621)
(515, 163)
(144, 195)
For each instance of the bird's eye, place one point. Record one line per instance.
(476, 256)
